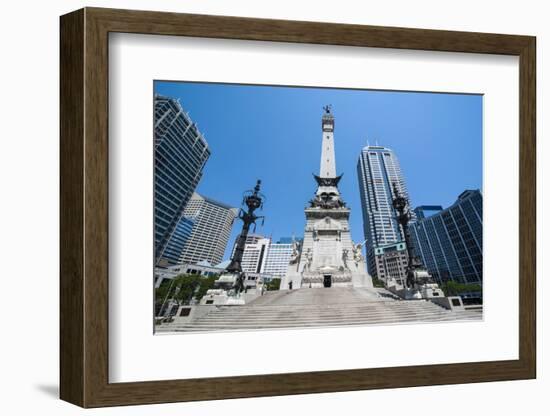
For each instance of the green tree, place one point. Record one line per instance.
(163, 293)
(206, 284)
(183, 289)
(377, 282)
(454, 288)
(273, 284)
(186, 286)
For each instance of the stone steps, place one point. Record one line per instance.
(296, 317)
(326, 321)
(319, 313)
(239, 326)
(376, 304)
(381, 305)
(309, 308)
(318, 296)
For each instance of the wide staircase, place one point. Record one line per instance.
(304, 308)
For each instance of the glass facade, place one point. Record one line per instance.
(288, 240)
(425, 211)
(278, 257)
(450, 242)
(180, 155)
(177, 240)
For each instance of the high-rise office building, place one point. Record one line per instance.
(176, 242)
(425, 211)
(391, 261)
(450, 242)
(378, 172)
(213, 221)
(278, 257)
(251, 238)
(255, 253)
(180, 155)
(288, 240)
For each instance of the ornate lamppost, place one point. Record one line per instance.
(416, 273)
(253, 200)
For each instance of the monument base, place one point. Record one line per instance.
(423, 291)
(224, 292)
(328, 278)
(430, 290)
(325, 279)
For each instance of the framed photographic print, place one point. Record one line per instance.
(255, 207)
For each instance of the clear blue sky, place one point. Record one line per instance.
(274, 134)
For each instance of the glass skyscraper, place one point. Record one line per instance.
(378, 172)
(177, 240)
(425, 211)
(450, 242)
(180, 155)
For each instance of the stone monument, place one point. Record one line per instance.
(327, 256)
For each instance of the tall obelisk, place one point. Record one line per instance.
(328, 160)
(327, 257)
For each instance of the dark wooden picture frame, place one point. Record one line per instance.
(84, 207)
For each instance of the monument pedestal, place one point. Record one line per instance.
(430, 290)
(224, 292)
(427, 291)
(326, 277)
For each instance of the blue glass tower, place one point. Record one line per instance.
(178, 239)
(450, 242)
(180, 155)
(425, 211)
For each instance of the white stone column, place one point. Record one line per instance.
(328, 160)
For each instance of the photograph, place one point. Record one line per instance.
(275, 207)
(279, 207)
